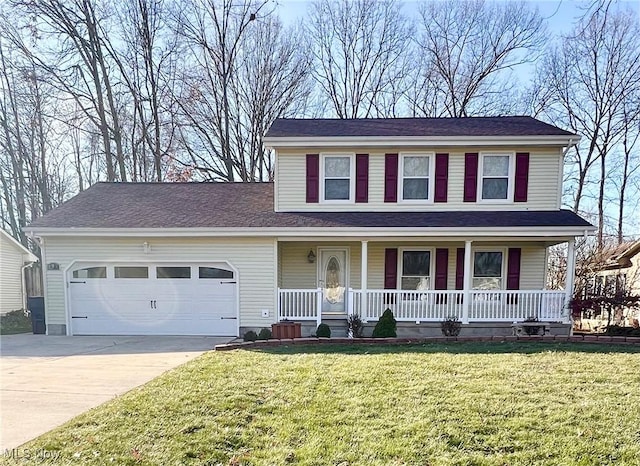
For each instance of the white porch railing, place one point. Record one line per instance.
(511, 306)
(301, 304)
(410, 306)
(429, 305)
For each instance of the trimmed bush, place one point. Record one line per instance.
(451, 326)
(533, 330)
(386, 326)
(355, 326)
(323, 330)
(265, 334)
(250, 336)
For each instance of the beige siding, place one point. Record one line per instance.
(253, 258)
(297, 272)
(11, 261)
(545, 167)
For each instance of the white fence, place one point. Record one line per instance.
(429, 305)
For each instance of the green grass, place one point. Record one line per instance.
(15, 322)
(434, 404)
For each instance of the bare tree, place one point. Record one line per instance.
(243, 69)
(469, 48)
(360, 54)
(587, 81)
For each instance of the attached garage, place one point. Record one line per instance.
(141, 298)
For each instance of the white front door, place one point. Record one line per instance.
(333, 276)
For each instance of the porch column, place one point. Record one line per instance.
(570, 276)
(363, 276)
(466, 301)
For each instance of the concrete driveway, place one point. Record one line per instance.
(46, 380)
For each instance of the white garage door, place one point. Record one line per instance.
(153, 299)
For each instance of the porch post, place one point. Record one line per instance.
(570, 276)
(363, 277)
(466, 301)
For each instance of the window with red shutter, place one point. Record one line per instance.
(522, 177)
(470, 177)
(313, 178)
(391, 178)
(441, 178)
(362, 178)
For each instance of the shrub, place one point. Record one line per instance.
(533, 330)
(451, 326)
(386, 326)
(265, 334)
(250, 336)
(618, 330)
(323, 330)
(15, 322)
(355, 326)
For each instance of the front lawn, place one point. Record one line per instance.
(434, 404)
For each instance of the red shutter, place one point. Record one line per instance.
(390, 268)
(522, 177)
(513, 269)
(470, 177)
(442, 177)
(442, 263)
(362, 177)
(459, 268)
(313, 178)
(391, 178)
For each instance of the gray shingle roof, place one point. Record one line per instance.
(250, 205)
(470, 126)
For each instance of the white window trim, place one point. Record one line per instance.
(503, 269)
(432, 160)
(352, 178)
(510, 178)
(399, 274)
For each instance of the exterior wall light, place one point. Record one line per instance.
(311, 257)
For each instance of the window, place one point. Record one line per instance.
(173, 272)
(213, 272)
(91, 272)
(337, 171)
(131, 272)
(415, 177)
(495, 183)
(487, 270)
(416, 270)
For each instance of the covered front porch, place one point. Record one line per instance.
(475, 281)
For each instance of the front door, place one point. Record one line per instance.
(333, 279)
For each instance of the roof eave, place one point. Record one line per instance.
(460, 232)
(412, 141)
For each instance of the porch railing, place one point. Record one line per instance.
(516, 305)
(410, 306)
(429, 305)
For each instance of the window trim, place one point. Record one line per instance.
(503, 268)
(511, 174)
(352, 177)
(399, 274)
(431, 177)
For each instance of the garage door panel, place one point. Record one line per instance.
(152, 306)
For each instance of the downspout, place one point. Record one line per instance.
(23, 283)
(571, 144)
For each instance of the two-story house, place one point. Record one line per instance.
(430, 218)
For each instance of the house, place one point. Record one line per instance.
(619, 270)
(428, 217)
(14, 257)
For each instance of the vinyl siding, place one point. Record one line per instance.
(253, 258)
(545, 167)
(11, 261)
(296, 272)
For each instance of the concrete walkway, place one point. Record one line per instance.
(46, 380)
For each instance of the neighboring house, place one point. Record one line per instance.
(620, 270)
(428, 217)
(13, 258)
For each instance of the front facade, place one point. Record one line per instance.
(431, 218)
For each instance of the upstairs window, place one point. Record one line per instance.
(487, 270)
(415, 184)
(337, 177)
(495, 177)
